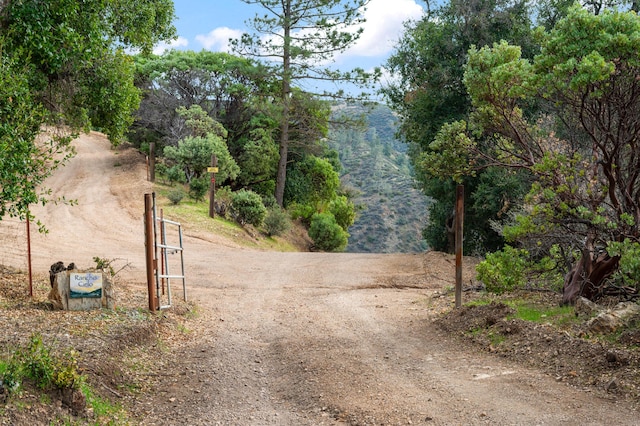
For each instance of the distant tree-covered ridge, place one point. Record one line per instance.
(376, 167)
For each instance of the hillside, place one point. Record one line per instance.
(377, 168)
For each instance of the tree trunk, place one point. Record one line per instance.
(587, 276)
(451, 232)
(281, 177)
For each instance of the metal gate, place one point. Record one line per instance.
(160, 255)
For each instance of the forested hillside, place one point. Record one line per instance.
(376, 166)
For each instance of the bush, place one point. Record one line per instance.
(198, 187)
(247, 207)
(161, 170)
(344, 211)
(176, 196)
(276, 222)
(36, 363)
(222, 202)
(304, 212)
(504, 270)
(176, 175)
(326, 234)
(628, 273)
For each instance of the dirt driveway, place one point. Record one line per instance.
(302, 338)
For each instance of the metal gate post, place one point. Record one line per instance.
(149, 251)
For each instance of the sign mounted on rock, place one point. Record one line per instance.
(85, 285)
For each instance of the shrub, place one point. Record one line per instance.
(176, 196)
(198, 187)
(175, 175)
(36, 363)
(276, 222)
(344, 211)
(326, 234)
(504, 270)
(303, 211)
(628, 273)
(247, 207)
(222, 202)
(161, 169)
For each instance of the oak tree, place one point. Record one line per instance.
(582, 148)
(63, 64)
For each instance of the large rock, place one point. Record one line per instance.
(586, 308)
(613, 319)
(60, 294)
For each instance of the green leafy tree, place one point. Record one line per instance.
(247, 207)
(581, 149)
(207, 137)
(74, 53)
(429, 61)
(312, 181)
(228, 88)
(24, 164)
(326, 233)
(62, 65)
(300, 34)
(235, 92)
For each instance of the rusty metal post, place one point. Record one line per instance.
(149, 251)
(459, 239)
(212, 186)
(152, 161)
(29, 255)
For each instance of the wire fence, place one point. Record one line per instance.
(13, 244)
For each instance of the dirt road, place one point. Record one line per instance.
(302, 338)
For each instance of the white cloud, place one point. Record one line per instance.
(218, 39)
(161, 47)
(384, 26)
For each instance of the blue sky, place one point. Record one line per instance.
(208, 24)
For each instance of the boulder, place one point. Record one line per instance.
(613, 319)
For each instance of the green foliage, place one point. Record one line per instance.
(303, 211)
(300, 59)
(78, 69)
(37, 363)
(259, 157)
(583, 81)
(223, 199)
(510, 269)
(193, 155)
(24, 165)
(230, 90)
(343, 211)
(247, 207)
(198, 187)
(161, 169)
(310, 181)
(276, 221)
(323, 37)
(327, 234)
(448, 156)
(175, 174)
(504, 270)
(62, 65)
(175, 196)
(429, 59)
(628, 273)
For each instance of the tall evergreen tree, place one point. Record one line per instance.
(298, 37)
